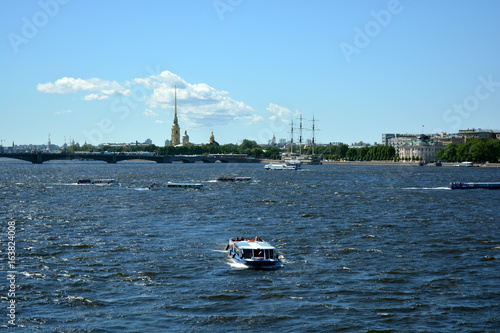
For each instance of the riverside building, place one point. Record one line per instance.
(422, 148)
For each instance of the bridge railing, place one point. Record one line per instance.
(40, 157)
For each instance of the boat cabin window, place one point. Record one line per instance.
(258, 253)
(269, 254)
(247, 254)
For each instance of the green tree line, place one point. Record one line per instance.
(343, 152)
(249, 147)
(474, 150)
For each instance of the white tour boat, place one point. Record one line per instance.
(464, 164)
(253, 252)
(287, 165)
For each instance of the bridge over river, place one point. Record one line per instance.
(39, 157)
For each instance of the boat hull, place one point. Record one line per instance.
(87, 181)
(259, 264)
(253, 253)
(105, 182)
(196, 186)
(234, 179)
(282, 166)
(470, 186)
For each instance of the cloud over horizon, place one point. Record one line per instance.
(198, 104)
(67, 85)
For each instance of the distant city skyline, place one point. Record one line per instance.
(96, 72)
(387, 139)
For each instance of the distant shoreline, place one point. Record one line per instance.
(410, 164)
(444, 164)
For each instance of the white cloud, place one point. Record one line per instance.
(63, 112)
(150, 113)
(280, 116)
(280, 113)
(198, 104)
(72, 85)
(159, 122)
(93, 97)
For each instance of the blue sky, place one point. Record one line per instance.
(105, 71)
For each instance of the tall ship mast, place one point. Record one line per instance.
(313, 143)
(306, 158)
(300, 135)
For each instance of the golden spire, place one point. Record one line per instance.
(175, 116)
(175, 127)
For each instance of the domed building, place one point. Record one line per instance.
(212, 141)
(185, 139)
(422, 148)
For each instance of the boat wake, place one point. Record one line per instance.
(237, 265)
(427, 188)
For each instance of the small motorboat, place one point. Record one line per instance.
(253, 252)
(104, 182)
(158, 186)
(234, 179)
(87, 181)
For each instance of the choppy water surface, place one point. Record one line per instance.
(366, 248)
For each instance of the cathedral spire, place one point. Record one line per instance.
(176, 135)
(175, 116)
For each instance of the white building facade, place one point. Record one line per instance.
(422, 149)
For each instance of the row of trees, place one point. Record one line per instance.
(249, 147)
(343, 152)
(475, 150)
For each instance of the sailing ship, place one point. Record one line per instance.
(292, 156)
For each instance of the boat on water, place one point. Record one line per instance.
(88, 181)
(253, 252)
(158, 186)
(468, 186)
(104, 182)
(464, 164)
(234, 179)
(287, 165)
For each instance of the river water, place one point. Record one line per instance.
(365, 249)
